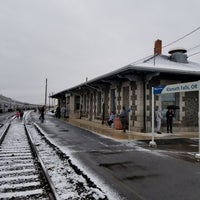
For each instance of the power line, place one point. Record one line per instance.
(182, 37)
(142, 59)
(198, 28)
(194, 54)
(194, 47)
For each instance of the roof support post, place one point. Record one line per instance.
(144, 107)
(146, 80)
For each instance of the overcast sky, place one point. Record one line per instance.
(66, 41)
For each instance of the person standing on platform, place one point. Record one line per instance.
(21, 113)
(42, 111)
(159, 118)
(17, 114)
(58, 113)
(169, 115)
(63, 112)
(124, 119)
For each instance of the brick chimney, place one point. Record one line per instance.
(158, 47)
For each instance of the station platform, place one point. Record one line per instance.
(107, 131)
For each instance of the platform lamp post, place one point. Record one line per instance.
(49, 101)
(52, 100)
(152, 143)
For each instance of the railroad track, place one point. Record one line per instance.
(31, 167)
(21, 175)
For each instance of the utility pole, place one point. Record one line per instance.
(46, 93)
(49, 101)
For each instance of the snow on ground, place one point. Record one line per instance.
(110, 193)
(69, 184)
(17, 168)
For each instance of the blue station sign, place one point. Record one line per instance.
(183, 87)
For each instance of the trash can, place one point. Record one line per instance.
(118, 124)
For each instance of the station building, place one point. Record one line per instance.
(131, 86)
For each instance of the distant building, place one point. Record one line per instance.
(131, 86)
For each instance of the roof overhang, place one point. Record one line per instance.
(134, 72)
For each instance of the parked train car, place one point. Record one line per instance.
(8, 105)
(5, 103)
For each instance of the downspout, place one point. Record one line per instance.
(103, 114)
(144, 108)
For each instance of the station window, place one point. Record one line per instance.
(170, 99)
(77, 102)
(84, 103)
(126, 97)
(113, 100)
(99, 103)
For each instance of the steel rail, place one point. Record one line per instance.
(5, 127)
(3, 134)
(9, 190)
(53, 195)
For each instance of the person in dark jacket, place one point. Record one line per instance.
(169, 115)
(21, 113)
(58, 113)
(42, 111)
(124, 119)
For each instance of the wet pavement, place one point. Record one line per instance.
(181, 148)
(178, 144)
(183, 145)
